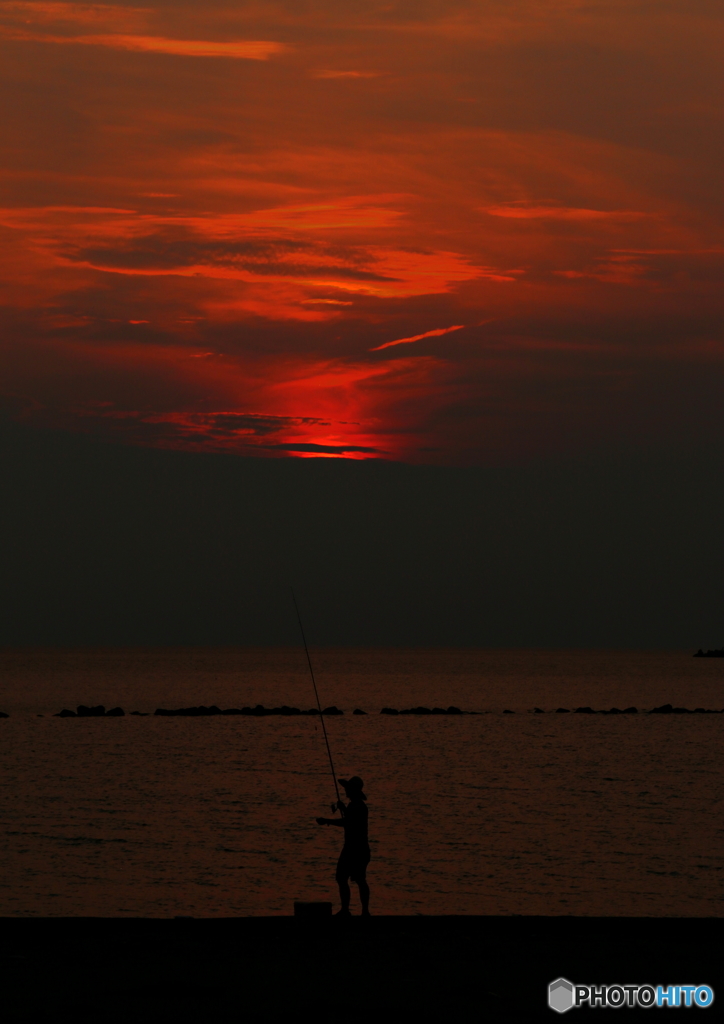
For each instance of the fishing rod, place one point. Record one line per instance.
(316, 694)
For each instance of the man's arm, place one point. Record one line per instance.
(330, 821)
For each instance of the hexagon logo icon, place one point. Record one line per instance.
(560, 995)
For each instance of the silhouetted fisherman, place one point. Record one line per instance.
(355, 855)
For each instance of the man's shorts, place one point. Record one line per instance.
(352, 864)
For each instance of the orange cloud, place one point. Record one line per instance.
(20, 20)
(237, 49)
(346, 74)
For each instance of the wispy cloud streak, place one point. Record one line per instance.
(241, 49)
(418, 337)
(521, 212)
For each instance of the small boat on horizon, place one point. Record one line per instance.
(710, 654)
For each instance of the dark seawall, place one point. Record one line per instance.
(386, 968)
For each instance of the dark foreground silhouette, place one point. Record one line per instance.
(355, 855)
(441, 970)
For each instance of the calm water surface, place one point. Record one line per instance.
(488, 814)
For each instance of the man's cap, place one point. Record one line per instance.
(354, 783)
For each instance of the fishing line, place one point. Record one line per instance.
(316, 694)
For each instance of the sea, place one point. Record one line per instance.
(489, 814)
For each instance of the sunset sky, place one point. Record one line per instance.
(460, 232)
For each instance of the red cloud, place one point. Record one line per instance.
(520, 212)
(418, 337)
